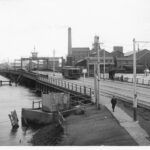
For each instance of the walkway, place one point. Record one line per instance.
(133, 128)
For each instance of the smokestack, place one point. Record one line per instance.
(69, 42)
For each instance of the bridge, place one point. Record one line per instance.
(45, 81)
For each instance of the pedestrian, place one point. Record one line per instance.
(113, 102)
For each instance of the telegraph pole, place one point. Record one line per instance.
(134, 83)
(98, 73)
(104, 64)
(95, 84)
(134, 77)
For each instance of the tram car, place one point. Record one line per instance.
(69, 72)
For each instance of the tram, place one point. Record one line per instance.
(70, 72)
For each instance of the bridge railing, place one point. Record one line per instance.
(29, 74)
(67, 85)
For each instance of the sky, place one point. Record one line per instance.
(44, 24)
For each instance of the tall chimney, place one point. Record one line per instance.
(69, 42)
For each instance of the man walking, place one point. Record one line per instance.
(113, 102)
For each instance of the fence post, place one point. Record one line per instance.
(84, 90)
(68, 85)
(32, 104)
(90, 91)
(39, 104)
(142, 81)
(65, 84)
(76, 87)
(137, 80)
(80, 90)
(55, 81)
(72, 86)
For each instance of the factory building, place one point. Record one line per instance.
(75, 53)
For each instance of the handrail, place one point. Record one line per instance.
(67, 85)
(58, 82)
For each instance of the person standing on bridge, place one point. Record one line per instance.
(113, 102)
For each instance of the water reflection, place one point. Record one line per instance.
(13, 132)
(12, 97)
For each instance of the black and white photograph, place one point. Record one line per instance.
(75, 74)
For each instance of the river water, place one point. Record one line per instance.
(14, 98)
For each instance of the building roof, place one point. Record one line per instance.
(117, 54)
(124, 58)
(94, 53)
(80, 49)
(128, 53)
(140, 53)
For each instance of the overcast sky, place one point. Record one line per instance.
(44, 23)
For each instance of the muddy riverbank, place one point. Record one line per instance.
(93, 128)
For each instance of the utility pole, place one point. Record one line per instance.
(134, 77)
(134, 83)
(95, 83)
(54, 62)
(104, 64)
(98, 73)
